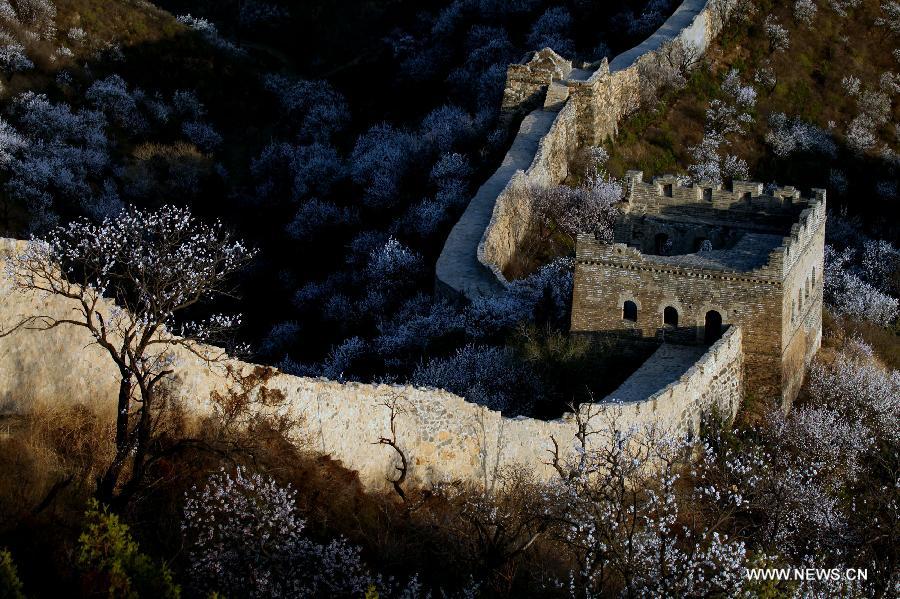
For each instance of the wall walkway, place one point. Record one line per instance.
(490, 231)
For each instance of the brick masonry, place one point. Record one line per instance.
(445, 437)
(763, 272)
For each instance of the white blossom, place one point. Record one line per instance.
(13, 58)
(209, 32)
(890, 18)
(551, 30)
(851, 84)
(805, 11)
(777, 34)
(246, 539)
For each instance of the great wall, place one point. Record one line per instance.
(444, 436)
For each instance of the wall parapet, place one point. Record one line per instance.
(745, 200)
(712, 383)
(444, 437)
(511, 217)
(620, 255)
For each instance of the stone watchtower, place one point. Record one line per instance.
(689, 260)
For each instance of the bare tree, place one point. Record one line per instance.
(393, 404)
(154, 266)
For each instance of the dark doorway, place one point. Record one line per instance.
(629, 311)
(670, 317)
(660, 242)
(713, 327)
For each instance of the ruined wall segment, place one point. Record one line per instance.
(527, 81)
(595, 102)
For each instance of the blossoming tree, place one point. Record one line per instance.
(153, 265)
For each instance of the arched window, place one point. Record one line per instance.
(713, 327)
(670, 317)
(629, 311)
(800, 300)
(814, 276)
(660, 242)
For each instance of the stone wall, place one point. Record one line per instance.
(767, 280)
(512, 220)
(445, 437)
(606, 276)
(527, 81)
(596, 105)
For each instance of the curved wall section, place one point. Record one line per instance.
(444, 437)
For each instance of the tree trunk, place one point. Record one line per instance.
(140, 446)
(106, 484)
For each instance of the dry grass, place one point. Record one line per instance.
(49, 448)
(129, 23)
(837, 331)
(809, 77)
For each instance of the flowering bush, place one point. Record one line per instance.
(245, 539)
(484, 375)
(854, 291)
(13, 58)
(590, 208)
(314, 108)
(315, 216)
(777, 34)
(209, 32)
(486, 317)
(805, 11)
(295, 172)
(379, 160)
(53, 156)
(551, 30)
(864, 394)
(111, 96)
(787, 136)
(203, 135)
(445, 127)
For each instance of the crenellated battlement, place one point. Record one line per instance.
(804, 231)
(745, 196)
(592, 252)
(689, 258)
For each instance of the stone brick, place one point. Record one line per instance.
(763, 273)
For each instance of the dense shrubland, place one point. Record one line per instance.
(814, 106)
(242, 506)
